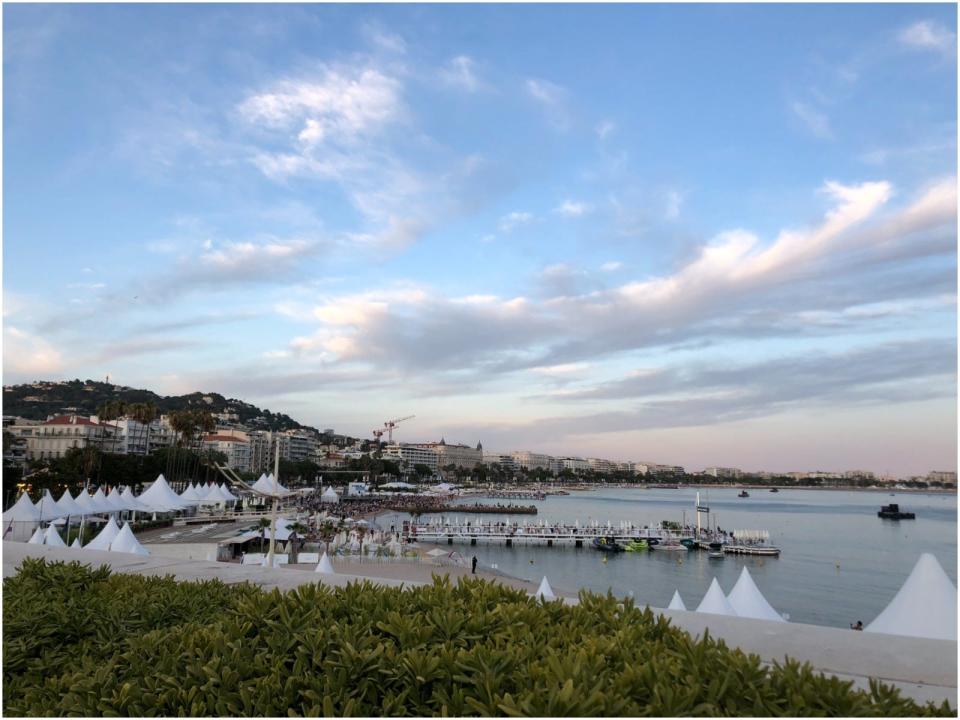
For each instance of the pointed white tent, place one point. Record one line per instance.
(216, 496)
(116, 501)
(749, 602)
(132, 502)
(85, 502)
(190, 496)
(38, 537)
(325, 567)
(23, 510)
(68, 506)
(125, 542)
(329, 496)
(225, 491)
(52, 537)
(160, 498)
(545, 592)
(100, 503)
(76, 543)
(47, 507)
(715, 602)
(676, 602)
(104, 537)
(266, 485)
(926, 605)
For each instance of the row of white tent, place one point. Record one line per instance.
(159, 497)
(925, 606)
(111, 538)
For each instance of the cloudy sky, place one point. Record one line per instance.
(688, 234)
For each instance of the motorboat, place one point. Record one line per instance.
(743, 493)
(893, 512)
(715, 551)
(669, 544)
(636, 546)
(774, 490)
(606, 545)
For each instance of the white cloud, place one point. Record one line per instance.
(928, 35)
(552, 98)
(815, 121)
(611, 266)
(27, 356)
(460, 72)
(514, 220)
(674, 203)
(604, 128)
(562, 370)
(570, 208)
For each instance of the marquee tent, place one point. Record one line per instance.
(225, 491)
(132, 502)
(329, 496)
(38, 537)
(545, 592)
(48, 508)
(104, 537)
(676, 603)
(116, 500)
(100, 502)
(266, 485)
(23, 510)
(125, 542)
(715, 602)
(160, 498)
(52, 537)
(325, 567)
(926, 605)
(747, 600)
(190, 496)
(397, 485)
(76, 543)
(68, 506)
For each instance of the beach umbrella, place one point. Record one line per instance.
(715, 602)
(23, 510)
(52, 537)
(747, 600)
(325, 567)
(545, 592)
(676, 603)
(37, 538)
(104, 537)
(926, 605)
(126, 542)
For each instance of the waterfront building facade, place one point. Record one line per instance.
(236, 449)
(507, 462)
(726, 473)
(532, 461)
(410, 455)
(53, 438)
(457, 455)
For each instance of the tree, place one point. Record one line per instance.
(422, 470)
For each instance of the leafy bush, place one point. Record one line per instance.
(79, 641)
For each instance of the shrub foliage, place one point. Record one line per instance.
(82, 642)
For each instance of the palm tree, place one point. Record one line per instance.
(262, 525)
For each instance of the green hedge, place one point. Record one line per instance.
(79, 641)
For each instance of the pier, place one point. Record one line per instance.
(470, 509)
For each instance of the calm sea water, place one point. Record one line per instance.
(839, 562)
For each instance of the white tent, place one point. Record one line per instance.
(160, 498)
(329, 496)
(47, 507)
(23, 510)
(266, 485)
(76, 543)
(116, 500)
(190, 496)
(325, 567)
(100, 503)
(125, 542)
(218, 496)
(715, 602)
(676, 602)
(545, 592)
(68, 506)
(926, 605)
(85, 502)
(132, 502)
(105, 537)
(52, 537)
(225, 491)
(38, 537)
(747, 600)
(399, 485)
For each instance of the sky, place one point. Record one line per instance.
(697, 235)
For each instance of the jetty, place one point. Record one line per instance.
(510, 509)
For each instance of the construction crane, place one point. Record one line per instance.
(390, 425)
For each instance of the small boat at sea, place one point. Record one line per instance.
(670, 545)
(716, 551)
(774, 490)
(893, 512)
(606, 545)
(636, 546)
(743, 493)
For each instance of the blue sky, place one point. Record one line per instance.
(683, 234)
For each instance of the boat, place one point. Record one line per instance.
(688, 543)
(893, 512)
(636, 545)
(774, 490)
(716, 551)
(606, 545)
(669, 544)
(743, 493)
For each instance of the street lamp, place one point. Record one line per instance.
(276, 500)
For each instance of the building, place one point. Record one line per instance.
(577, 465)
(657, 469)
(507, 462)
(298, 445)
(53, 438)
(724, 473)
(455, 454)
(859, 475)
(135, 438)
(410, 455)
(19, 429)
(947, 477)
(236, 449)
(531, 461)
(601, 466)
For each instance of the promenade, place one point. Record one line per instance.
(923, 669)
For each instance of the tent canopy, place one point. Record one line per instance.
(52, 537)
(68, 506)
(266, 485)
(104, 537)
(749, 602)
(926, 605)
(125, 542)
(676, 602)
(159, 497)
(23, 510)
(715, 602)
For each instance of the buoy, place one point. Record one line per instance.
(604, 558)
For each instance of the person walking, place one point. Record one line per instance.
(474, 570)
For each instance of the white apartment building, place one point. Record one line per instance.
(600, 465)
(235, 448)
(724, 472)
(455, 454)
(947, 477)
(657, 469)
(507, 462)
(298, 445)
(575, 464)
(861, 474)
(410, 455)
(53, 438)
(531, 461)
(134, 438)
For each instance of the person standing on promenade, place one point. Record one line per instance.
(474, 570)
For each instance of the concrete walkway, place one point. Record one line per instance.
(923, 669)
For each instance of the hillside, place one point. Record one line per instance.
(38, 400)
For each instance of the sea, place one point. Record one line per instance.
(840, 563)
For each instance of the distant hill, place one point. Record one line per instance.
(36, 401)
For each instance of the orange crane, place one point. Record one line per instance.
(391, 424)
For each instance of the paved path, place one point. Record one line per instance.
(922, 669)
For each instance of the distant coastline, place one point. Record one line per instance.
(744, 486)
